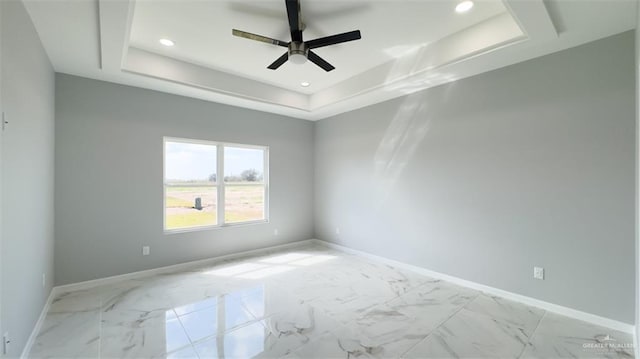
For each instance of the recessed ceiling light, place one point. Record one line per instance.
(167, 42)
(464, 6)
(305, 84)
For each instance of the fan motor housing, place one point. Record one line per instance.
(298, 48)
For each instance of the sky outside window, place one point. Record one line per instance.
(196, 162)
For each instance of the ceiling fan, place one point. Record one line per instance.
(299, 50)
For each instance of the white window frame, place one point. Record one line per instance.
(219, 184)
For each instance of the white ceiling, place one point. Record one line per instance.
(202, 33)
(406, 46)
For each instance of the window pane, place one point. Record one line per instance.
(243, 203)
(243, 165)
(189, 163)
(190, 206)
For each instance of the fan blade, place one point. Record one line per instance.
(250, 36)
(281, 60)
(334, 39)
(295, 26)
(313, 57)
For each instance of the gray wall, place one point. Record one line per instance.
(1, 141)
(27, 175)
(487, 177)
(109, 177)
(637, 70)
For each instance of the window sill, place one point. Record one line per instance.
(214, 227)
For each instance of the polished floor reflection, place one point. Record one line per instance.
(312, 302)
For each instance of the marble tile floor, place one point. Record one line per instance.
(311, 302)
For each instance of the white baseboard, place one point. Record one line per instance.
(36, 329)
(554, 308)
(178, 267)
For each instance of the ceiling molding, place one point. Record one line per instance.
(115, 18)
(423, 64)
(533, 18)
(165, 68)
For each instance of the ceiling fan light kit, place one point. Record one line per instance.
(299, 51)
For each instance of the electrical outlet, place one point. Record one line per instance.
(44, 280)
(6, 341)
(538, 273)
(146, 250)
(275, 232)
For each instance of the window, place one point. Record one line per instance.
(213, 184)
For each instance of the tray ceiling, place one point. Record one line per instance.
(406, 46)
(202, 34)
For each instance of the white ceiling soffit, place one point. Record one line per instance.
(406, 46)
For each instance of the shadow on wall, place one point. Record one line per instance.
(402, 137)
